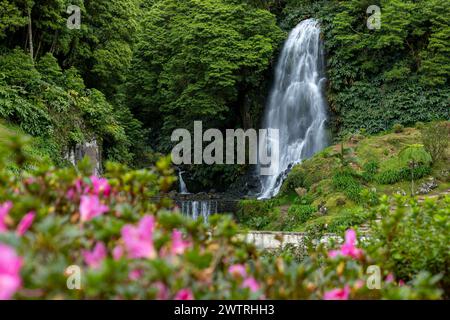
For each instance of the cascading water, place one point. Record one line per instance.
(196, 209)
(183, 188)
(297, 106)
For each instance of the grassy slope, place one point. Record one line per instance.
(316, 175)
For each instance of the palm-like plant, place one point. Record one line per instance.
(414, 155)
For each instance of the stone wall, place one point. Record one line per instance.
(272, 240)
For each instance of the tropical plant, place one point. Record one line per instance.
(414, 156)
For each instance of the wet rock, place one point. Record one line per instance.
(427, 187)
(323, 210)
(248, 184)
(401, 192)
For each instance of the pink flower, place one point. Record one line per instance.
(10, 265)
(4, 211)
(76, 189)
(95, 258)
(348, 249)
(390, 278)
(135, 274)
(25, 223)
(251, 283)
(100, 186)
(117, 253)
(178, 245)
(90, 207)
(359, 284)
(337, 294)
(184, 294)
(163, 291)
(401, 283)
(238, 270)
(139, 240)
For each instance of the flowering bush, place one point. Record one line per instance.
(414, 237)
(54, 222)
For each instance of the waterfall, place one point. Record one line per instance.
(197, 209)
(183, 188)
(297, 106)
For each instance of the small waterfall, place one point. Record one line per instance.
(183, 188)
(296, 106)
(197, 209)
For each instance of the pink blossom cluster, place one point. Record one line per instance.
(240, 271)
(337, 294)
(24, 224)
(97, 186)
(137, 243)
(89, 195)
(348, 249)
(10, 265)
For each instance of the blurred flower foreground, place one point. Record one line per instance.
(65, 234)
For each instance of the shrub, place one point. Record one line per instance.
(306, 199)
(435, 138)
(294, 180)
(369, 197)
(392, 176)
(251, 208)
(346, 182)
(301, 213)
(389, 176)
(420, 125)
(398, 128)
(370, 169)
(348, 219)
(414, 237)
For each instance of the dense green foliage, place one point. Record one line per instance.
(415, 237)
(54, 105)
(56, 88)
(170, 62)
(202, 60)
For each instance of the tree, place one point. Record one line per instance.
(197, 60)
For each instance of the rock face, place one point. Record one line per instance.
(246, 185)
(88, 149)
(273, 240)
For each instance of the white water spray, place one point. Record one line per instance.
(183, 188)
(297, 106)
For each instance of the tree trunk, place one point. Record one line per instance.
(30, 35)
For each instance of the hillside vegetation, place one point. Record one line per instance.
(334, 189)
